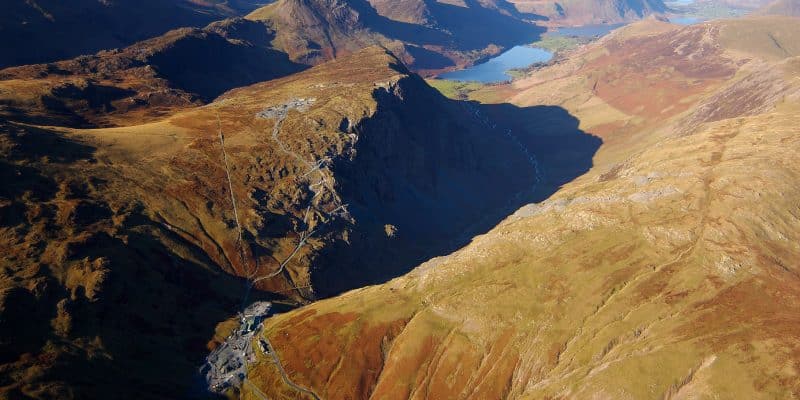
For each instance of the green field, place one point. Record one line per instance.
(557, 44)
(455, 89)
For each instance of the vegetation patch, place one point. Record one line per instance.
(455, 89)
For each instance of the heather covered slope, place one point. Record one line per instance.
(122, 249)
(667, 271)
(47, 30)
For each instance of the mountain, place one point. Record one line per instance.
(667, 271)
(39, 31)
(145, 81)
(428, 35)
(128, 247)
(588, 12)
(781, 7)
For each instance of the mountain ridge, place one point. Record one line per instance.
(673, 260)
(319, 190)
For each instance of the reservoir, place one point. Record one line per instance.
(686, 20)
(495, 70)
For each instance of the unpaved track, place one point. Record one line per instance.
(286, 379)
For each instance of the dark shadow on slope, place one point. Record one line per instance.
(562, 149)
(431, 173)
(209, 67)
(52, 30)
(461, 28)
(426, 59)
(477, 27)
(226, 55)
(199, 63)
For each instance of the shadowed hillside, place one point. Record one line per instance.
(47, 30)
(427, 35)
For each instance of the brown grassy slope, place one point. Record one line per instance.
(145, 81)
(668, 271)
(119, 245)
(95, 291)
(49, 30)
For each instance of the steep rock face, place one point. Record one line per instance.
(46, 30)
(124, 247)
(667, 271)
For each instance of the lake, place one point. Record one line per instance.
(495, 69)
(686, 20)
(679, 3)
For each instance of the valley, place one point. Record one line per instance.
(655, 251)
(414, 199)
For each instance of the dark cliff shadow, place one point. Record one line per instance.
(564, 152)
(428, 188)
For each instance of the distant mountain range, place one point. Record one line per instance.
(427, 35)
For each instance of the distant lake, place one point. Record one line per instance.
(686, 20)
(679, 2)
(586, 30)
(495, 69)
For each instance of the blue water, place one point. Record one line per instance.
(679, 2)
(685, 20)
(587, 30)
(495, 69)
